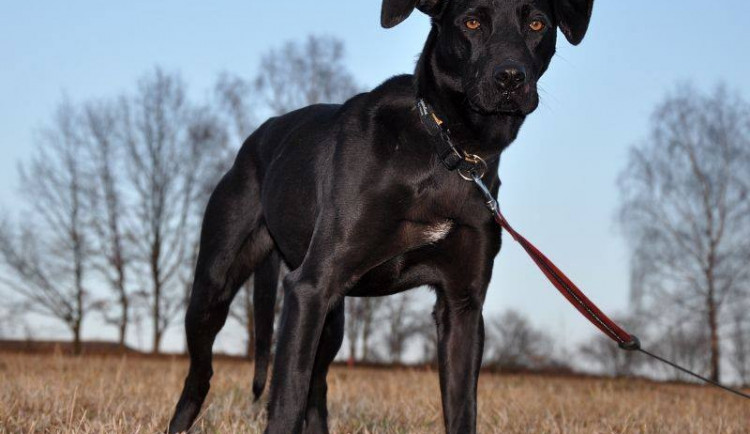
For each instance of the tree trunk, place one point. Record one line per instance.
(157, 340)
(156, 318)
(78, 255)
(156, 280)
(124, 318)
(714, 328)
(713, 322)
(77, 347)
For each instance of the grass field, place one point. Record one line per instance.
(135, 395)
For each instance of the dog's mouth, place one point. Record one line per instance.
(506, 105)
(502, 109)
(509, 104)
(520, 102)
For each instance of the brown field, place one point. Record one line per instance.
(135, 395)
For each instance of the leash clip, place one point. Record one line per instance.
(490, 200)
(634, 344)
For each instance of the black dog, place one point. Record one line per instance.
(355, 200)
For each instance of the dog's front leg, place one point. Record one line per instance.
(460, 325)
(306, 306)
(335, 260)
(460, 345)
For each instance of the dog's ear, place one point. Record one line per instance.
(573, 18)
(396, 11)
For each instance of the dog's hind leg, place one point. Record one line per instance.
(316, 419)
(233, 241)
(265, 287)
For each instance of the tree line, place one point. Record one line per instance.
(114, 191)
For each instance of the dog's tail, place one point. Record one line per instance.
(266, 285)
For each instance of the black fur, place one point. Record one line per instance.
(355, 202)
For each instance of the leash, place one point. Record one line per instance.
(472, 168)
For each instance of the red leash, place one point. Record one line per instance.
(576, 297)
(567, 288)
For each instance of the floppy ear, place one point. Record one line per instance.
(573, 18)
(396, 11)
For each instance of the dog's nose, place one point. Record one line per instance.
(510, 76)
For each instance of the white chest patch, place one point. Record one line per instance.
(438, 231)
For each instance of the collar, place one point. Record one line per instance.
(452, 156)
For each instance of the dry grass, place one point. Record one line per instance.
(132, 395)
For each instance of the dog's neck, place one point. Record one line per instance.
(486, 135)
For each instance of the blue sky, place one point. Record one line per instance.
(559, 177)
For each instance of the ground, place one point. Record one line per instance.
(130, 394)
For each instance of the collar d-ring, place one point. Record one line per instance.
(474, 166)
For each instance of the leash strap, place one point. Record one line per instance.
(472, 168)
(564, 285)
(578, 299)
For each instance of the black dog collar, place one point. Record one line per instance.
(452, 156)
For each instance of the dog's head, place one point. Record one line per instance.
(495, 51)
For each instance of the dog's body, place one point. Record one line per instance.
(355, 201)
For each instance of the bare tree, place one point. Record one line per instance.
(168, 141)
(110, 211)
(355, 307)
(402, 319)
(371, 311)
(361, 314)
(513, 343)
(686, 211)
(297, 75)
(48, 256)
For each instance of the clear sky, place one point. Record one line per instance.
(559, 177)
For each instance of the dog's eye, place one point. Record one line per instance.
(537, 25)
(472, 24)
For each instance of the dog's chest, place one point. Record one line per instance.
(437, 231)
(419, 233)
(437, 207)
